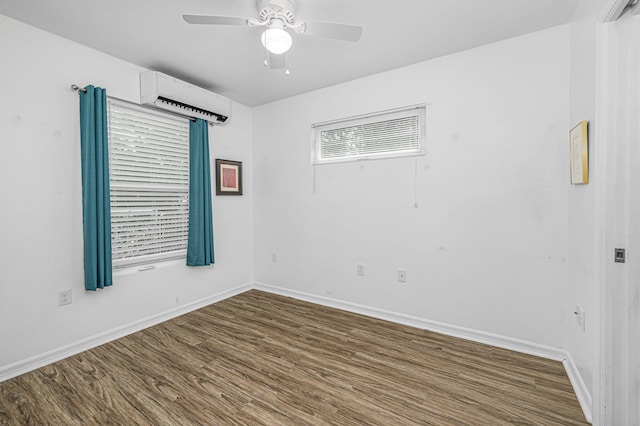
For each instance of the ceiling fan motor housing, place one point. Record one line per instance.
(283, 10)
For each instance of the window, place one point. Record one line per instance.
(387, 134)
(149, 178)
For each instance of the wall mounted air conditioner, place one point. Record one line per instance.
(170, 94)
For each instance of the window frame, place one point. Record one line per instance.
(418, 110)
(143, 113)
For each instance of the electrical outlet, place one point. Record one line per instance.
(360, 269)
(64, 297)
(402, 276)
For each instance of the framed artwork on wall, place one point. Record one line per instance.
(579, 154)
(228, 177)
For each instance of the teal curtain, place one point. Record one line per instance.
(200, 242)
(96, 210)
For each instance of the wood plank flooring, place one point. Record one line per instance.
(262, 359)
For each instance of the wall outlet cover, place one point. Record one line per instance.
(64, 297)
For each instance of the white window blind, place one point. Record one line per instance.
(387, 134)
(149, 178)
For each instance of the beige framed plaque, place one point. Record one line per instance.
(579, 154)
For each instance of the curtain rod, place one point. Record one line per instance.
(79, 89)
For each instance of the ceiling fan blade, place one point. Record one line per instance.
(277, 61)
(332, 30)
(214, 20)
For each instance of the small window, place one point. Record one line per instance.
(149, 179)
(387, 134)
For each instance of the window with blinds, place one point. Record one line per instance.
(387, 134)
(149, 178)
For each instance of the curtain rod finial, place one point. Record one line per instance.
(77, 88)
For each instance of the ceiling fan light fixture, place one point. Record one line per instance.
(276, 40)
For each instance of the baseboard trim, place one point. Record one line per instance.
(543, 351)
(579, 387)
(37, 361)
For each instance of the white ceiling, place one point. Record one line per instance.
(228, 60)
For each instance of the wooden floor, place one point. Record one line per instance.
(262, 359)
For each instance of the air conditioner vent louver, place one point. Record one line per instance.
(190, 108)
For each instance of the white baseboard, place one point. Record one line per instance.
(543, 351)
(37, 361)
(579, 387)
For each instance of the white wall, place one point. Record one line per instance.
(485, 248)
(40, 219)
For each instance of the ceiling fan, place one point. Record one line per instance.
(278, 16)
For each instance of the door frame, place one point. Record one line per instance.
(615, 202)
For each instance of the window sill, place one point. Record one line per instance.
(148, 267)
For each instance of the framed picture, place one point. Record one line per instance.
(228, 177)
(579, 154)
